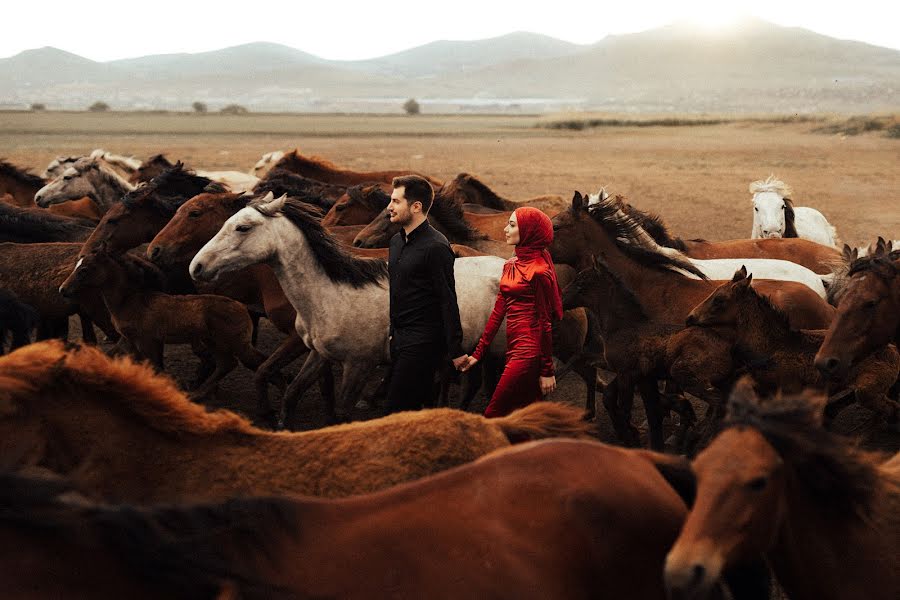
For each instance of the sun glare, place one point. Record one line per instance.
(711, 15)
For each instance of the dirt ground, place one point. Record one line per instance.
(695, 177)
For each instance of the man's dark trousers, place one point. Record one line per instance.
(412, 376)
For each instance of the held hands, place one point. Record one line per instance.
(548, 384)
(464, 363)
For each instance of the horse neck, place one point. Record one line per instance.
(118, 295)
(759, 329)
(618, 309)
(21, 192)
(807, 538)
(109, 189)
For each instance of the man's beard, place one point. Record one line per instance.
(403, 221)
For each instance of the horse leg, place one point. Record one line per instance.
(289, 349)
(311, 368)
(225, 364)
(611, 396)
(353, 380)
(650, 396)
(206, 366)
(471, 384)
(254, 332)
(87, 329)
(589, 374)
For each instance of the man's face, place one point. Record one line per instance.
(399, 209)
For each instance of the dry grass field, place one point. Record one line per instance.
(695, 176)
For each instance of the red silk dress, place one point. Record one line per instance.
(529, 308)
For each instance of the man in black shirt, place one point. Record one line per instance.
(425, 327)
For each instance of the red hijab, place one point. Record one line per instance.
(535, 235)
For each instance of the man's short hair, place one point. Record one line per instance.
(416, 189)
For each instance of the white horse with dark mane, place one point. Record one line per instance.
(342, 302)
(775, 216)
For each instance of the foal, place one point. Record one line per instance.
(149, 319)
(784, 356)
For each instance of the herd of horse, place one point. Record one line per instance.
(115, 482)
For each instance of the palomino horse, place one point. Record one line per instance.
(318, 168)
(328, 287)
(774, 215)
(600, 520)
(815, 257)
(86, 177)
(583, 232)
(868, 315)
(758, 329)
(122, 433)
(774, 482)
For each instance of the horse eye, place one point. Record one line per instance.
(758, 483)
(243, 228)
(112, 221)
(870, 304)
(783, 207)
(755, 209)
(194, 214)
(339, 207)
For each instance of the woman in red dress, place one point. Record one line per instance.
(529, 299)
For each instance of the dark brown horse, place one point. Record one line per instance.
(17, 319)
(125, 434)
(825, 514)
(28, 225)
(868, 315)
(359, 205)
(816, 257)
(600, 520)
(667, 296)
(149, 318)
(322, 170)
(281, 182)
(781, 358)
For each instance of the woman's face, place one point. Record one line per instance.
(512, 230)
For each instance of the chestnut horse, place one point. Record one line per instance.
(667, 296)
(125, 434)
(825, 514)
(322, 170)
(599, 522)
(868, 315)
(782, 357)
(818, 258)
(359, 205)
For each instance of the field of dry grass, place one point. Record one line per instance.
(695, 176)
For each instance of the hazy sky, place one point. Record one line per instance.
(337, 29)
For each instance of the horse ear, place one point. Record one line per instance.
(276, 205)
(739, 274)
(578, 202)
(846, 252)
(742, 398)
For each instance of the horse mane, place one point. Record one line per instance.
(159, 159)
(314, 163)
(170, 189)
(135, 388)
(490, 197)
(371, 196)
(448, 212)
(842, 479)
(129, 163)
(107, 174)
(654, 226)
(770, 184)
(20, 175)
(140, 272)
(339, 265)
(179, 548)
(283, 182)
(790, 228)
(41, 225)
(633, 240)
(882, 265)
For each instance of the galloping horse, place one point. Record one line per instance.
(583, 232)
(328, 287)
(122, 433)
(599, 522)
(774, 482)
(774, 215)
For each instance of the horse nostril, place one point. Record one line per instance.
(828, 365)
(691, 320)
(198, 268)
(154, 252)
(697, 575)
(357, 244)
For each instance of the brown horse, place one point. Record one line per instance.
(816, 257)
(599, 522)
(641, 352)
(149, 318)
(281, 182)
(322, 170)
(19, 187)
(825, 514)
(779, 357)
(868, 315)
(34, 272)
(124, 434)
(28, 225)
(667, 296)
(359, 205)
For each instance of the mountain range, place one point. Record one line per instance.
(752, 67)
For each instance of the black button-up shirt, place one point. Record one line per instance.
(423, 291)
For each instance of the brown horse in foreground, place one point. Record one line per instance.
(825, 514)
(322, 170)
(868, 315)
(667, 296)
(557, 519)
(125, 434)
(782, 358)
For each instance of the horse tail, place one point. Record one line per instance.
(543, 420)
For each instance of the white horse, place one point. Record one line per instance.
(265, 164)
(233, 180)
(342, 302)
(774, 215)
(89, 176)
(126, 166)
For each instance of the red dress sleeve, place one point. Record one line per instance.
(543, 308)
(493, 325)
